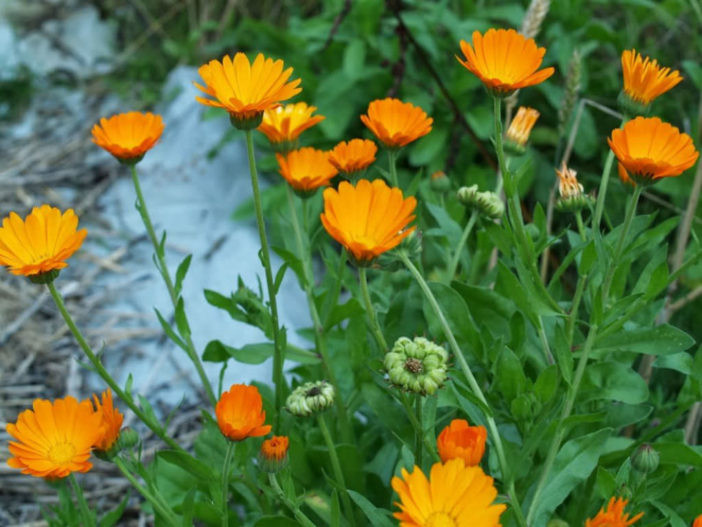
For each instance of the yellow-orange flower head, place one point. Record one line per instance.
(644, 79)
(111, 421)
(367, 219)
(240, 413)
(244, 89)
(613, 516)
(54, 438)
(504, 60)
(521, 126)
(396, 123)
(649, 149)
(354, 156)
(698, 521)
(41, 243)
(284, 124)
(275, 448)
(461, 441)
(455, 495)
(306, 169)
(128, 136)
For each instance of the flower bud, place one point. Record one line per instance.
(310, 398)
(572, 197)
(459, 440)
(486, 203)
(519, 130)
(273, 455)
(645, 459)
(417, 365)
(440, 182)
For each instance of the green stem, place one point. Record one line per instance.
(544, 341)
(225, 482)
(412, 416)
(602, 192)
(472, 382)
(158, 250)
(375, 327)
(419, 433)
(102, 372)
(451, 272)
(560, 428)
(157, 501)
(579, 289)
(336, 469)
(86, 517)
(333, 297)
(392, 162)
(319, 337)
(299, 515)
(278, 357)
(581, 225)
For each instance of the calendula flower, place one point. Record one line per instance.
(649, 149)
(368, 219)
(39, 245)
(111, 421)
(306, 169)
(504, 60)
(240, 413)
(455, 495)
(274, 453)
(246, 90)
(283, 125)
(310, 398)
(644, 79)
(354, 156)
(698, 521)
(519, 129)
(613, 515)
(396, 123)
(459, 440)
(54, 438)
(128, 136)
(417, 365)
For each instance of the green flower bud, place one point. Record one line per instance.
(486, 203)
(310, 398)
(440, 182)
(645, 459)
(417, 365)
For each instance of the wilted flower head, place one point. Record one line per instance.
(39, 245)
(486, 203)
(613, 515)
(306, 169)
(417, 365)
(240, 413)
(273, 455)
(520, 128)
(644, 80)
(354, 156)
(111, 421)
(462, 441)
(572, 197)
(396, 123)
(128, 136)
(310, 398)
(283, 125)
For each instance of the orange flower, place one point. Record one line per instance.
(454, 495)
(649, 149)
(240, 413)
(504, 60)
(354, 156)
(458, 440)
(275, 448)
(128, 136)
(41, 242)
(644, 79)
(698, 521)
(306, 169)
(396, 123)
(520, 127)
(246, 90)
(367, 219)
(54, 439)
(284, 124)
(111, 421)
(614, 516)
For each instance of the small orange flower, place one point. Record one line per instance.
(246, 90)
(306, 169)
(644, 79)
(454, 495)
(367, 219)
(55, 438)
(111, 421)
(396, 123)
(649, 149)
(128, 136)
(41, 243)
(520, 127)
(459, 440)
(285, 123)
(698, 521)
(354, 156)
(240, 413)
(504, 60)
(614, 516)
(275, 448)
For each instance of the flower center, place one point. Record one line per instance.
(61, 453)
(312, 392)
(414, 366)
(440, 519)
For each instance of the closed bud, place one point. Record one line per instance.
(310, 398)
(486, 203)
(440, 181)
(519, 130)
(273, 455)
(128, 438)
(417, 365)
(645, 459)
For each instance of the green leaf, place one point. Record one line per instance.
(216, 351)
(376, 516)
(188, 463)
(448, 227)
(614, 381)
(511, 380)
(341, 312)
(354, 58)
(293, 261)
(678, 454)
(605, 483)
(181, 272)
(658, 340)
(112, 517)
(181, 319)
(169, 331)
(276, 521)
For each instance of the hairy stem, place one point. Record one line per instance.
(375, 327)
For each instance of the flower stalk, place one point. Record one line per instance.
(156, 500)
(392, 163)
(299, 515)
(225, 482)
(83, 508)
(453, 266)
(375, 327)
(336, 469)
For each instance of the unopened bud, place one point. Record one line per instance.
(519, 130)
(273, 455)
(417, 365)
(310, 398)
(486, 203)
(645, 459)
(440, 181)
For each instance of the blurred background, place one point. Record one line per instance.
(66, 63)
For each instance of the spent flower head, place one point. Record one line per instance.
(310, 398)
(613, 515)
(487, 203)
(571, 193)
(519, 130)
(417, 365)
